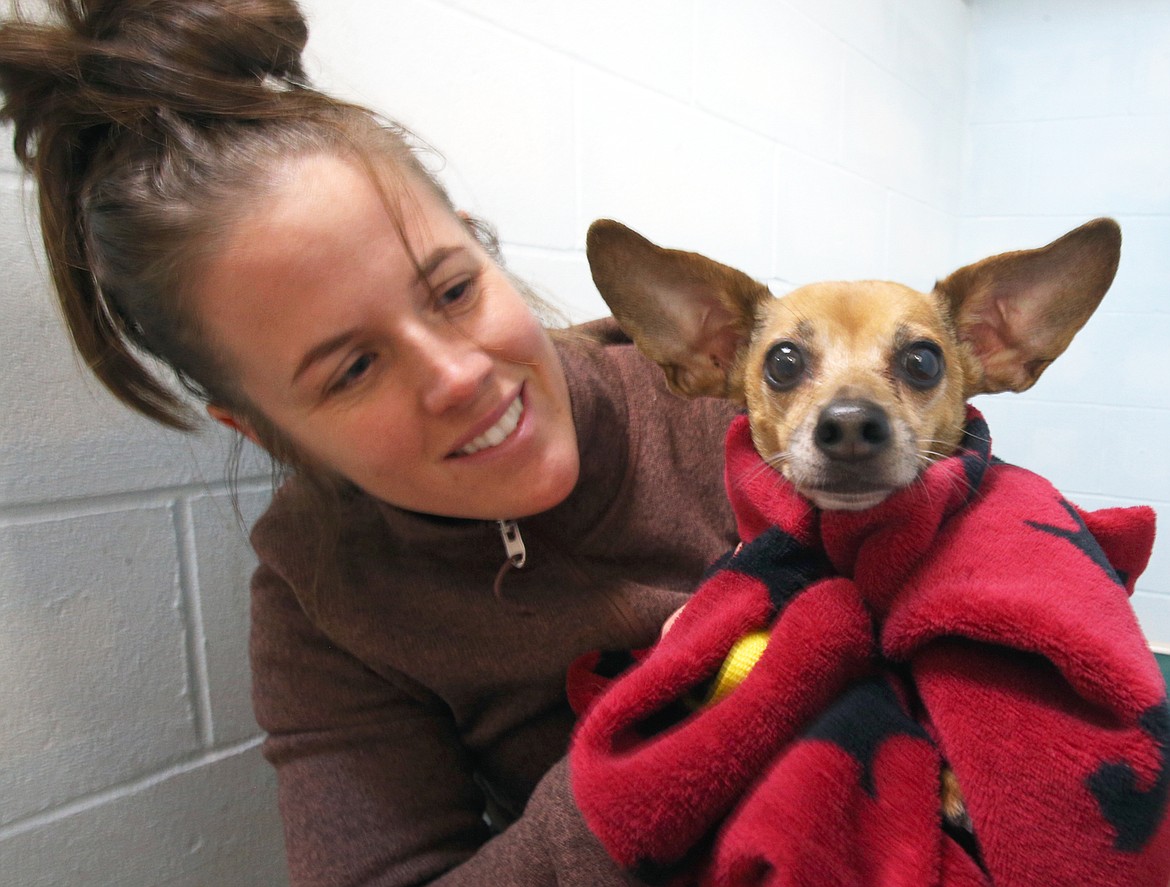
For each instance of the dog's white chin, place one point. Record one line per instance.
(847, 501)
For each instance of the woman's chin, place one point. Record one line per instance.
(556, 482)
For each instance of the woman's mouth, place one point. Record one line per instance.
(498, 433)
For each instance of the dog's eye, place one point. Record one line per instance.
(921, 364)
(783, 366)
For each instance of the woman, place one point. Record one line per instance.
(471, 502)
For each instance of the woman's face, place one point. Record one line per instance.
(436, 390)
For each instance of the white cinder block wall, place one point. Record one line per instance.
(1070, 119)
(796, 139)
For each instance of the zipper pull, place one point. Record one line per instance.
(513, 543)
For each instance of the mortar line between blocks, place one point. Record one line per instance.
(1079, 496)
(195, 635)
(124, 790)
(687, 101)
(103, 503)
(561, 52)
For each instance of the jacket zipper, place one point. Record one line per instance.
(513, 542)
(517, 556)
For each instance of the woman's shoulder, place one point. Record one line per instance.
(673, 444)
(304, 520)
(599, 333)
(600, 352)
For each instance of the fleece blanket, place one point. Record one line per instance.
(976, 622)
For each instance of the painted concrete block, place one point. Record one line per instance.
(1101, 166)
(1117, 359)
(921, 245)
(64, 436)
(213, 823)
(560, 278)
(1083, 449)
(498, 108)
(931, 36)
(997, 175)
(647, 41)
(871, 27)
(1048, 438)
(772, 70)
(1147, 34)
(830, 223)
(1153, 612)
(681, 177)
(1044, 61)
(895, 137)
(1143, 277)
(1156, 578)
(1134, 462)
(93, 650)
(224, 562)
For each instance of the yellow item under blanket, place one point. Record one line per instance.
(741, 659)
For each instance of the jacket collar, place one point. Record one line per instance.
(601, 418)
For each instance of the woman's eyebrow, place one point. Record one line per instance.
(437, 257)
(322, 350)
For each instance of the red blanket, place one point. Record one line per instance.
(976, 620)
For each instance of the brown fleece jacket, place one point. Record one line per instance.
(403, 698)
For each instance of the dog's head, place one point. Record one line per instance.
(853, 388)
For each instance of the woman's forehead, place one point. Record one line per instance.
(317, 248)
(323, 209)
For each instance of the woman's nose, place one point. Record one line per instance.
(452, 372)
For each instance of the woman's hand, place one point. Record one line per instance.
(669, 622)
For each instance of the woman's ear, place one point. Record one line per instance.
(234, 422)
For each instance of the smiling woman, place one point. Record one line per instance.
(433, 387)
(211, 219)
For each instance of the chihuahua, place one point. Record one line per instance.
(853, 389)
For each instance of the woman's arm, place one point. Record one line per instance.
(375, 787)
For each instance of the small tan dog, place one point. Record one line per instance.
(852, 389)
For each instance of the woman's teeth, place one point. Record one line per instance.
(498, 432)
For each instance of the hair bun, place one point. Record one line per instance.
(221, 38)
(123, 61)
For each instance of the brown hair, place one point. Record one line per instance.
(146, 124)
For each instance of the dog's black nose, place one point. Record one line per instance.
(852, 430)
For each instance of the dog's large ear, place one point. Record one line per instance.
(689, 314)
(1019, 311)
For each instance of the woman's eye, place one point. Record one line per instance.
(453, 295)
(784, 366)
(353, 373)
(921, 364)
